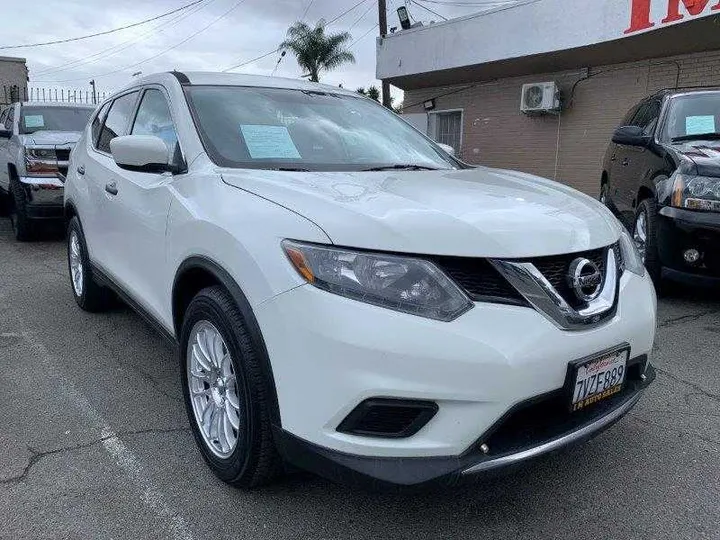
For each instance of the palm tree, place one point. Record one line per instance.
(315, 50)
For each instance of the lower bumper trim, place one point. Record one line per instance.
(581, 434)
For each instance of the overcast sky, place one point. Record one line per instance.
(248, 29)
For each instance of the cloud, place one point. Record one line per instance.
(252, 28)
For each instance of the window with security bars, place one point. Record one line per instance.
(446, 128)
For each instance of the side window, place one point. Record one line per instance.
(646, 116)
(117, 120)
(2, 117)
(97, 123)
(153, 118)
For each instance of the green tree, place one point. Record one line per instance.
(316, 50)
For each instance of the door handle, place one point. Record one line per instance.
(81, 170)
(625, 162)
(613, 158)
(111, 188)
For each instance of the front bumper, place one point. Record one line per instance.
(477, 369)
(44, 197)
(680, 230)
(474, 464)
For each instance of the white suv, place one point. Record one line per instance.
(344, 293)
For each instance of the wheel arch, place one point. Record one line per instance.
(197, 272)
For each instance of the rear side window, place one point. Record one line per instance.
(117, 121)
(97, 123)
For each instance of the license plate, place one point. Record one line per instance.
(598, 378)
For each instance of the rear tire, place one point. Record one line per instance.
(645, 237)
(88, 294)
(245, 456)
(22, 224)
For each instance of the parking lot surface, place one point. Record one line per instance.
(94, 442)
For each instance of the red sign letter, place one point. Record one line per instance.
(693, 7)
(640, 16)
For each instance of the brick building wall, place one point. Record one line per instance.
(13, 72)
(569, 147)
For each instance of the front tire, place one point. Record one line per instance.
(226, 397)
(645, 237)
(89, 295)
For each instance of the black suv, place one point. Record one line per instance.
(661, 177)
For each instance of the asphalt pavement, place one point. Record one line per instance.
(94, 442)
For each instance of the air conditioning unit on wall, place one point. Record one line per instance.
(540, 98)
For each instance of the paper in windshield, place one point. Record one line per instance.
(269, 142)
(34, 121)
(695, 125)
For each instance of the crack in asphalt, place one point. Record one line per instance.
(143, 374)
(700, 389)
(37, 455)
(688, 318)
(692, 434)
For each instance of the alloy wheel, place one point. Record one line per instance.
(213, 389)
(640, 234)
(77, 270)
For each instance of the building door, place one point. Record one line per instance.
(446, 128)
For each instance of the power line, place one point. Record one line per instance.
(270, 53)
(470, 4)
(100, 55)
(364, 35)
(235, 6)
(186, 6)
(430, 10)
(307, 8)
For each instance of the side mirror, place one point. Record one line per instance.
(142, 153)
(631, 136)
(5, 133)
(449, 149)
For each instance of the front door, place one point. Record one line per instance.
(137, 205)
(631, 162)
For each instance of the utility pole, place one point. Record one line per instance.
(382, 20)
(94, 95)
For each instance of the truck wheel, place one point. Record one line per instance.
(226, 398)
(88, 294)
(22, 225)
(645, 237)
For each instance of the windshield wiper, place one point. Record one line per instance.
(697, 136)
(402, 166)
(291, 169)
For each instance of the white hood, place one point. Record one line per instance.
(476, 212)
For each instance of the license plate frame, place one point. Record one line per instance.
(579, 399)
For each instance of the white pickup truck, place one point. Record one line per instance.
(35, 144)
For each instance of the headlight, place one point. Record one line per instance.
(404, 284)
(632, 262)
(696, 193)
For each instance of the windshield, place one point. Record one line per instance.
(272, 128)
(53, 118)
(693, 115)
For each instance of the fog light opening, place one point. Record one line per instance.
(692, 256)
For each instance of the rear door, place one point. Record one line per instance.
(137, 211)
